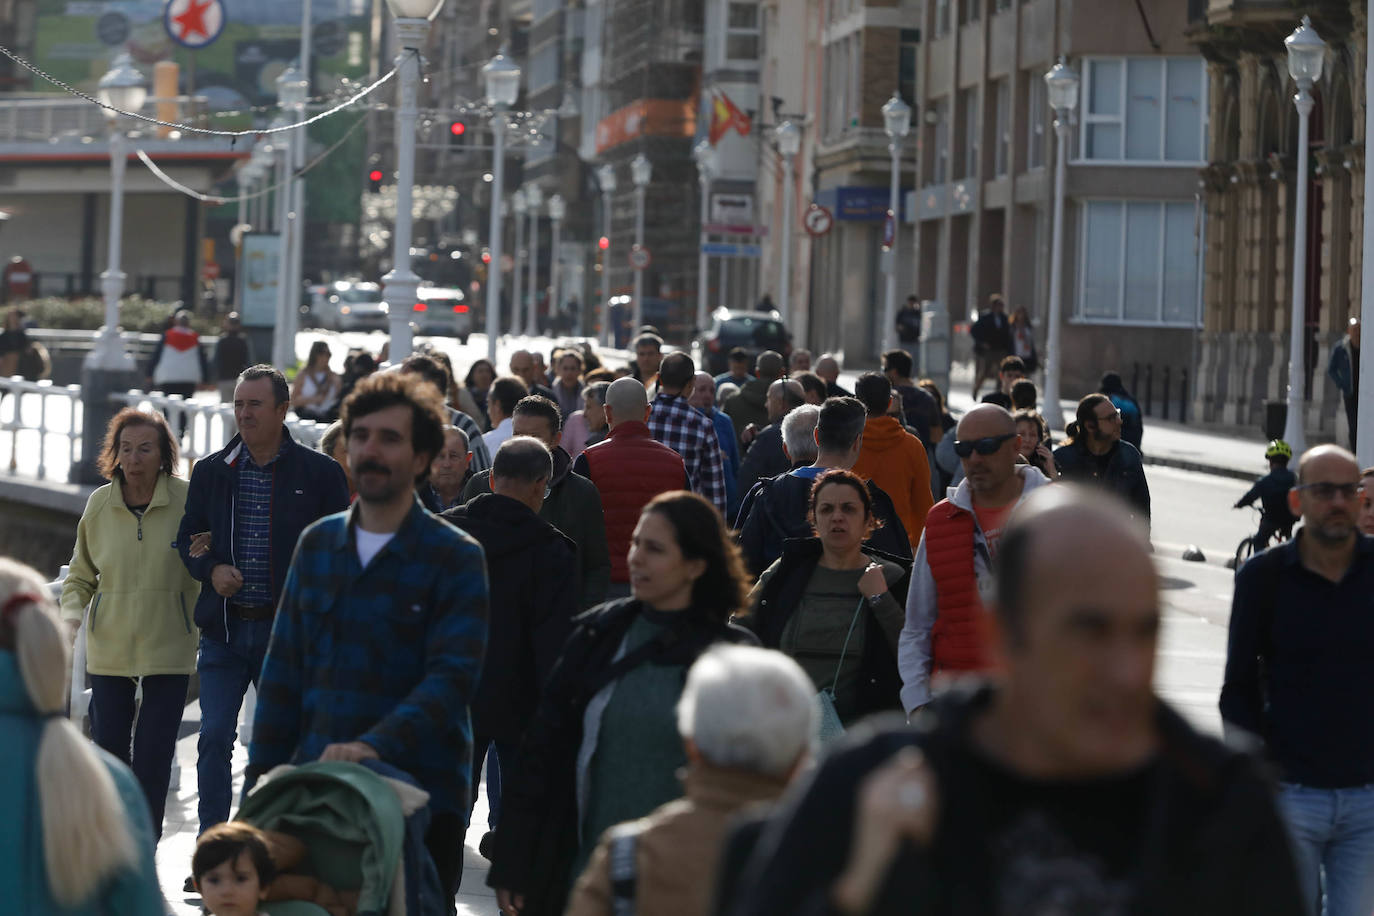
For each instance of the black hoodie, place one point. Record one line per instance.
(533, 583)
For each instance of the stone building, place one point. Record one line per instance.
(1249, 187)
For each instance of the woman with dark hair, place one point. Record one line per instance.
(478, 383)
(126, 569)
(315, 394)
(1035, 442)
(811, 601)
(603, 747)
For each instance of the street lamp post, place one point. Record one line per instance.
(291, 94)
(534, 196)
(605, 177)
(788, 136)
(502, 80)
(124, 88)
(897, 123)
(520, 206)
(641, 172)
(705, 155)
(1061, 83)
(399, 285)
(558, 209)
(1305, 54)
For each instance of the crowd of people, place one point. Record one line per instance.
(740, 645)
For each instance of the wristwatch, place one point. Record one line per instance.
(875, 600)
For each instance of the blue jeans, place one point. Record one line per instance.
(148, 746)
(226, 669)
(1333, 846)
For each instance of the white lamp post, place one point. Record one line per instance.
(520, 205)
(502, 80)
(557, 210)
(641, 172)
(124, 88)
(534, 196)
(897, 124)
(605, 177)
(291, 94)
(788, 136)
(399, 286)
(1306, 51)
(1061, 83)
(705, 155)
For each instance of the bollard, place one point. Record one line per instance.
(1165, 399)
(1135, 377)
(1149, 390)
(1183, 397)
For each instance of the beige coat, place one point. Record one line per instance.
(678, 847)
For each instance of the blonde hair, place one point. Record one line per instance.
(86, 835)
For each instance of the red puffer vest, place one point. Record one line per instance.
(959, 637)
(630, 468)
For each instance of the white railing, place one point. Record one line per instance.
(29, 414)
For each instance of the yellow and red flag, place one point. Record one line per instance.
(726, 116)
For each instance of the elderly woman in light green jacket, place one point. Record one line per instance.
(126, 570)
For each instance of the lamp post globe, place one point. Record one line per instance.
(641, 170)
(122, 87)
(502, 81)
(605, 177)
(1061, 84)
(788, 136)
(704, 154)
(558, 208)
(1306, 53)
(896, 117)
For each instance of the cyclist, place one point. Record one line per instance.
(1272, 492)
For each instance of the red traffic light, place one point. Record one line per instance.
(603, 243)
(458, 128)
(374, 175)
(486, 257)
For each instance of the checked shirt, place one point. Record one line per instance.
(693, 436)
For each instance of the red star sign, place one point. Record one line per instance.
(193, 20)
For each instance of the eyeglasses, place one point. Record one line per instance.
(1326, 491)
(985, 446)
(1115, 415)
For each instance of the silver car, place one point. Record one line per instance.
(349, 305)
(442, 312)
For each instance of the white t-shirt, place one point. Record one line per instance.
(370, 544)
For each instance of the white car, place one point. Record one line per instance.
(442, 311)
(350, 305)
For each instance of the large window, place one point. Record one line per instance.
(1037, 109)
(1002, 142)
(1144, 109)
(968, 118)
(943, 17)
(906, 67)
(742, 31)
(1138, 262)
(942, 140)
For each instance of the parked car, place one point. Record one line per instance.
(443, 311)
(754, 331)
(348, 305)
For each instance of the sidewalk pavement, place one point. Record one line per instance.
(180, 824)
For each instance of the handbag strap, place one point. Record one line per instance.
(852, 621)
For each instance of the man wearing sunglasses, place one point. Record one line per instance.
(952, 577)
(1300, 675)
(1096, 454)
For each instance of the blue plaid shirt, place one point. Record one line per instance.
(389, 655)
(684, 430)
(253, 528)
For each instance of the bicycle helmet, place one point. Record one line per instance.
(1278, 449)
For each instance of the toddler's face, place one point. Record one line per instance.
(232, 888)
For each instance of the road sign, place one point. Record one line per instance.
(731, 250)
(818, 220)
(889, 230)
(194, 23)
(640, 257)
(731, 229)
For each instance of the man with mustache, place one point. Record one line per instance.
(1300, 675)
(379, 640)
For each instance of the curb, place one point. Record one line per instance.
(1202, 468)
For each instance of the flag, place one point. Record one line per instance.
(725, 116)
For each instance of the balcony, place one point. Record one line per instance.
(62, 125)
(1246, 12)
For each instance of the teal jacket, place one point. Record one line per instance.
(23, 871)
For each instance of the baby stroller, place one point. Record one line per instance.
(348, 839)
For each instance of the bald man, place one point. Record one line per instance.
(525, 367)
(1069, 785)
(829, 370)
(1300, 674)
(751, 404)
(766, 456)
(952, 576)
(629, 468)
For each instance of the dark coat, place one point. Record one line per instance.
(1125, 474)
(750, 405)
(1213, 841)
(775, 510)
(532, 582)
(306, 486)
(573, 506)
(537, 839)
(765, 458)
(880, 689)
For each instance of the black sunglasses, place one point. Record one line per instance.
(985, 446)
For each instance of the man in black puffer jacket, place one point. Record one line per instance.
(532, 576)
(1098, 455)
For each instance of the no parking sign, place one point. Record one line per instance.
(193, 23)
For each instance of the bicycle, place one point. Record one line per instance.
(1253, 544)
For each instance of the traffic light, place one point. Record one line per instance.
(604, 243)
(374, 180)
(456, 133)
(486, 256)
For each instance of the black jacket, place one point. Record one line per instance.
(532, 582)
(881, 686)
(775, 510)
(1125, 474)
(992, 333)
(537, 839)
(1212, 842)
(765, 458)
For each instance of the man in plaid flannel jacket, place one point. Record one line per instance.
(676, 424)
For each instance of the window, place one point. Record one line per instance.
(906, 67)
(1038, 108)
(970, 11)
(1001, 6)
(1002, 142)
(742, 32)
(942, 17)
(968, 117)
(1138, 262)
(942, 141)
(1144, 110)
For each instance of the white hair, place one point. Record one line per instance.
(86, 835)
(749, 709)
(799, 433)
